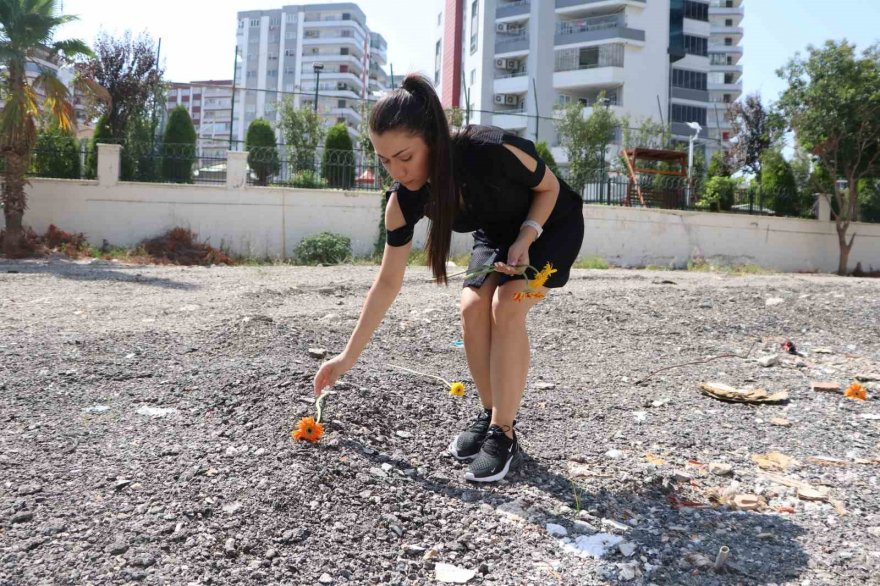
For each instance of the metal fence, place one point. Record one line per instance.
(316, 168)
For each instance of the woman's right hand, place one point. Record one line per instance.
(330, 372)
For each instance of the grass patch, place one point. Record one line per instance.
(418, 257)
(703, 265)
(461, 260)
(591, 262)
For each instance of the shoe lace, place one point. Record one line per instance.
(480, 424)
(495, 442)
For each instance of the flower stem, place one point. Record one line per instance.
(446, 382)
(319, 404)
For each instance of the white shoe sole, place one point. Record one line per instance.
(495, 477)
(453, 451)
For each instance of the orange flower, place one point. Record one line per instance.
(856, 391)
(456, 389)
(308, 429)
(542, 276)
(526, 294)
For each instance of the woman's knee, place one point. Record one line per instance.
(507, 312)
(475, 307)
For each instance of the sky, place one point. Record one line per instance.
(198, 36)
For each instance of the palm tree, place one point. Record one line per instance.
(26, 31)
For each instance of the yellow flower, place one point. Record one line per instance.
(856, 391)
(542, 276)
(456, 389)
(308, 429)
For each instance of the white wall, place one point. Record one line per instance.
(269, 222)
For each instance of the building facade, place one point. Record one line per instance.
(512, 63)
(296, 51)
(209, 104)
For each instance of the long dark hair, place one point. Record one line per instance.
(415, 107)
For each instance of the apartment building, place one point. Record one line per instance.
(300, 50)
(675, 61)
(209, 104)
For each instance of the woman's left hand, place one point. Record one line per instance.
(517, 257)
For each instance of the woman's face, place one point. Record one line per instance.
(404, 155)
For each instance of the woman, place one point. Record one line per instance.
(491, 183)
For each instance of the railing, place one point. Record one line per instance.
(594, 23)
(315, 168)
(509, 74)
(608, 55)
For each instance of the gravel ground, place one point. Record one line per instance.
(146, 418)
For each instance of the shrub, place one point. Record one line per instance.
(181, 246)
(337, 166)
(719, 194)
(179, 147)
(56, 154)
(324, 248)
(262, 150)
(308, 180)
(547, 157)
(102, 135)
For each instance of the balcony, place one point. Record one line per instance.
(730, 88)
(335, 76)
(726, 68)
(596, 28)
(726, 8)
(514, 119)
(519, 84)
(336, 59)
(721, 29)
(690, 94)
(567, 5)
(508, 9)
(719, 48)
(511, 43)
(594, 77)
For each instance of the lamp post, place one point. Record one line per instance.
(317, 68)
(606, 103)
(695, 126)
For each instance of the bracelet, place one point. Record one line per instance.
(533, 224)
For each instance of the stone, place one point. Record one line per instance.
(556, 530)
(809, 493)
(22, 517)
(317, 352)
(143, 560)
(769, 360)
(747, 502)
(720, 469)
(773, 301)
(780, 421)
(325, 578)
(271, 554)
(825, 387)
(449, 574)
(118, 547)
(627, 548)
(229, 548)
(545, 386)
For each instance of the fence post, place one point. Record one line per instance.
(236, 169)
(824, 212)
(109, 156)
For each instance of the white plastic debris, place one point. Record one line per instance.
(155, 411)
(556, 530)
(96, 409)
(595, 546)
(450, 574)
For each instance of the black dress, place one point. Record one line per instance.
(497, 192)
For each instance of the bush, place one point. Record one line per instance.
(308, 180)
(719, 194)
(179, 147)
(181, 246)
(779, 185)
(262, 150)
(719, 165)
(324, 248)
(337, 166)
(56, 154)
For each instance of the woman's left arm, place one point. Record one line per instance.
(543, 202)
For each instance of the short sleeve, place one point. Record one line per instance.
(515, 168)
(412, 205)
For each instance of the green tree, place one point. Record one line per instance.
(719, 165)
(869, 192)
(56, 154)
(179, 147)
(337, 165)
(586, 141)
(719, 194)
(28, 27)
(262, 150)
(547, 157)
(303, 131)
(833, 105)
(779, 186)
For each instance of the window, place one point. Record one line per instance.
(696, 10)
(255, 22)
(725, 136)
(241, 24)
(473, 76)
(682, 113)
(728, 22)
(343, 51)
(727, 98)
(438, 60)
(275, 21)
(346, 16)
(272, 73)
(312, 34)
(439, 19)
(692, 80)
(290, 35)
(475, 24)
(728, 78)
(341, 104)
(728, 42)
(696, 45)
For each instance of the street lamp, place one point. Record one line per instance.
(317, 68)
(695, 126)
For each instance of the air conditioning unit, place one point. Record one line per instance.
(512, 64)
(501, 63)
(499, 98)
(511, 100)
(502, 27)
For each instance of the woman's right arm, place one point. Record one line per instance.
(380, 297)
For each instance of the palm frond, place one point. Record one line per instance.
(72, 48)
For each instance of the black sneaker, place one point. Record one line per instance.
(467, 445)
(498, 456)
